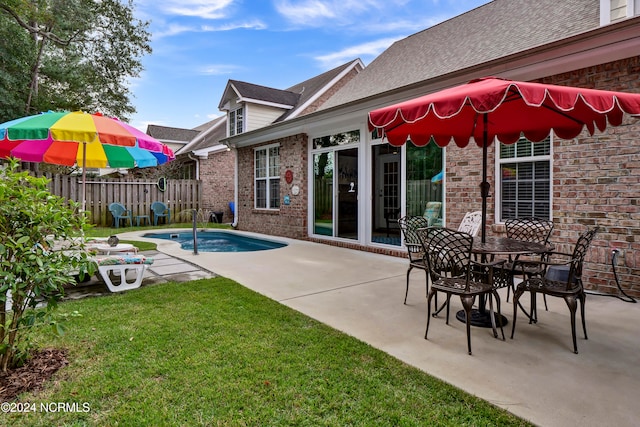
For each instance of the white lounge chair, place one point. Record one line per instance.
(113, 266)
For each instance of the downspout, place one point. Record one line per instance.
(195, 159)
(235, 188)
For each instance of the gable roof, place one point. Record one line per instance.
(165, 133)
(310, 89)
(249, 92)
(210, 135)
(494, 30)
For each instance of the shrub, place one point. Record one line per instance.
(32, 220)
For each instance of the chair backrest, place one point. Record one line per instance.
(409, 226)
(529, 229)
(448, 252)
(579, 253)
(158, 208)
(471, 223)
(117, 209)
(432, 211)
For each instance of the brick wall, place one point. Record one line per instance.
(216, 175)
(596, 181)
(290, 220)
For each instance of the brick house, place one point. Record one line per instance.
(322, 176)
(249, 107)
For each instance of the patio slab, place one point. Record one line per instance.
(535, 376)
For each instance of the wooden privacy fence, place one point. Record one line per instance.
(137, 195)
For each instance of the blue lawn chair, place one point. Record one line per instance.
(160, 210)
(120, 213)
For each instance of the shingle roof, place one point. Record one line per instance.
(309, 88)
(165, 133)
(263, 93)
(494, 30)
(211, 134)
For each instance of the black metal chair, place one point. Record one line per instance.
(453, 272)
(560, 279)
(409, 226)
(529, 230)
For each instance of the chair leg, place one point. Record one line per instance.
(497, 297)
(546, 308)
(467, 303)
(516, 297)
(572, 304)
(406, 293)
(533, 311)
(431, 294)
(583, 300)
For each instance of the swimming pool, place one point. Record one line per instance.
(218, 241)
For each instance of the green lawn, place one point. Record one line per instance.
(213, 353)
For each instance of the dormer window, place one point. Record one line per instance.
(236, 121)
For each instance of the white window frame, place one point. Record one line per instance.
(236, 127)
(528, 159)
(269, 176)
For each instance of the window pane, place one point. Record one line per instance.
(523, 148)
(261, 163)
(542, 148)
(239, 121)
(507, 151)
(274, 161)
(232, 123)
(323, 193)
(337, 139)
(274, 193)
(525, 189)
(261, 193)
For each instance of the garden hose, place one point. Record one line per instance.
(621, 293)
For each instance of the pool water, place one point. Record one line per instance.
(218, 241)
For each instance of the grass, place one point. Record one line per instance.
(211, 352)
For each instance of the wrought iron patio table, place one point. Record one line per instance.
(487, 251)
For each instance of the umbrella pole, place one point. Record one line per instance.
(84, 177)
(484, 186)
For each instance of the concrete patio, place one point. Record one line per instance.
(535, 376)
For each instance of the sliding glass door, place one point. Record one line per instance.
(335, 185)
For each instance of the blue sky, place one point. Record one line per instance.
(198, 45)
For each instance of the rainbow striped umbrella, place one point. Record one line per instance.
(86, 140)
(82, 139)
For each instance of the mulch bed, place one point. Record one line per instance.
(31, 376)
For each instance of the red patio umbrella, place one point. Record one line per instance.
(492, 107)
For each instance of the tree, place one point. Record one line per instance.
(31, 221)
(69, 55)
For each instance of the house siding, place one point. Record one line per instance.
(258, 116)
(596, 181)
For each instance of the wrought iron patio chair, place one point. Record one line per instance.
(454, 272)
(160, 210)
(471, 223)
(120, 213)
(409, 226)
(560, 279)
(530, 230)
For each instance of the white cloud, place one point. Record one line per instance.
(306, 12)
(316, 13)
(217, 69)
(206, 9)
(365, 50)
(176, 29)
